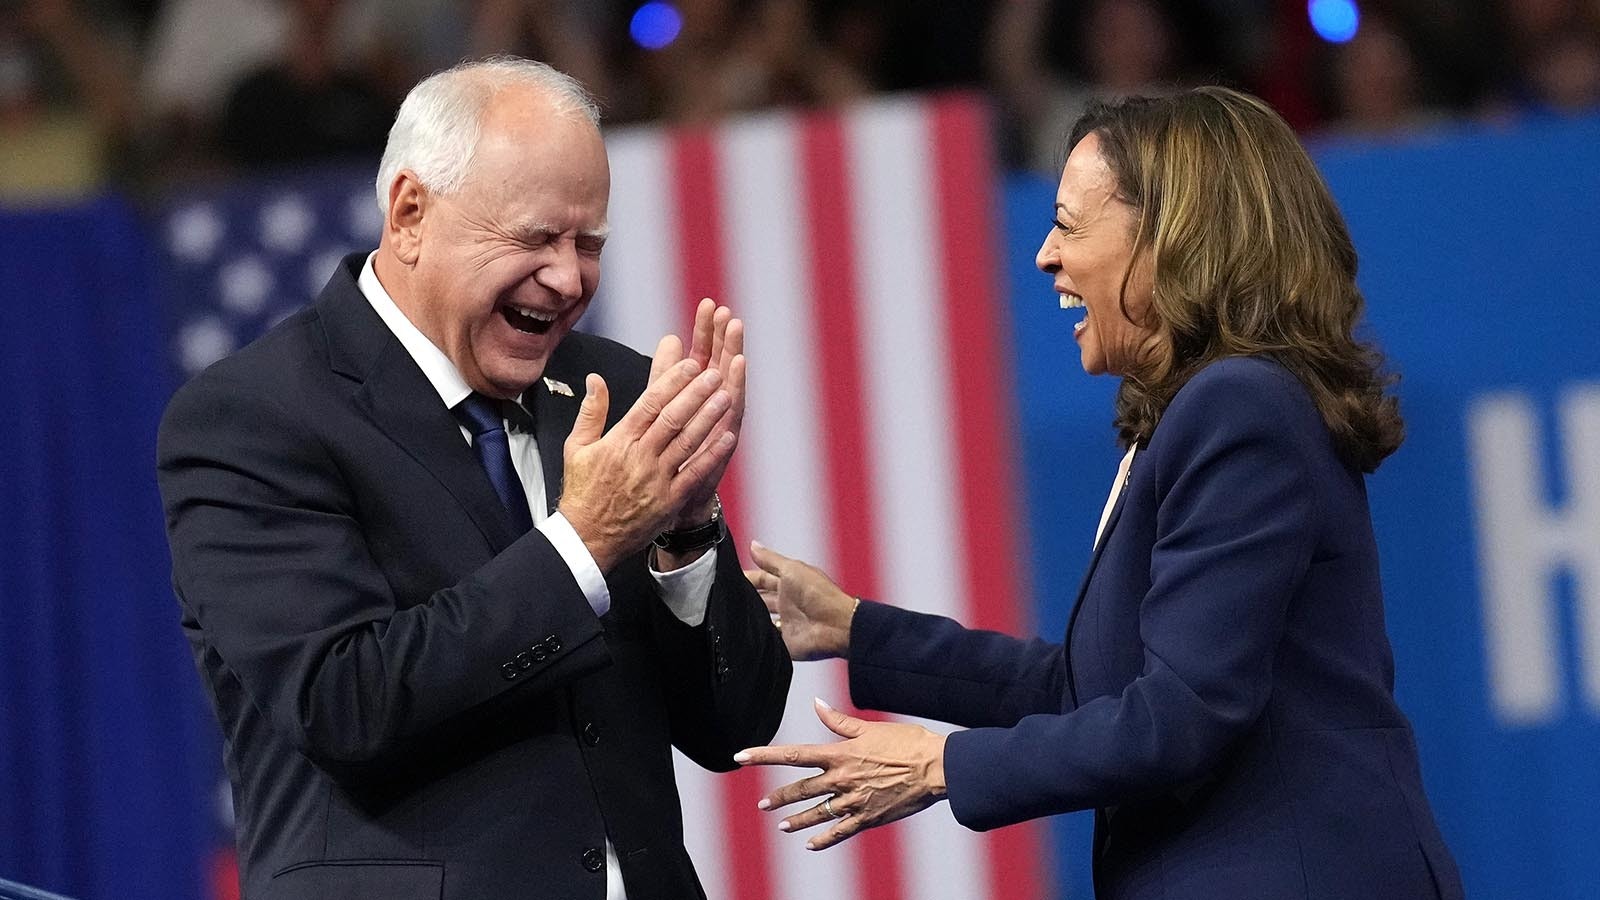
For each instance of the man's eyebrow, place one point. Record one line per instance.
(534, 232)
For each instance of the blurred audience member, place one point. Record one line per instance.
(65, 104)
(199, 51)
(1377, 82)
(1555, 45)
(734, 57)
(1125, 47)
(310, 103)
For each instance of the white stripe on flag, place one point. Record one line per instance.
(638, 304)
(640, 284)
(907, 399)
(766, 258)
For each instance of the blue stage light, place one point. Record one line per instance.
(1336, 21)
(655, 25)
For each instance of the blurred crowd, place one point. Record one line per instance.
(143, 93)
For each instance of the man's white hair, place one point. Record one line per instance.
(436, 132)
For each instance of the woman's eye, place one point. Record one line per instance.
(1061, 226)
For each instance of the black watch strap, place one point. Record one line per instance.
(686, 540)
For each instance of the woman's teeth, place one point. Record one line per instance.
(1071, 301)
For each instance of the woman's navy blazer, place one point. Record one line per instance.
(1224, 696)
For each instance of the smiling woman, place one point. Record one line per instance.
(1223, 694)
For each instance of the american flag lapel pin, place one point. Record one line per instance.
(558, 387)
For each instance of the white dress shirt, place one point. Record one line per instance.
(685, 591)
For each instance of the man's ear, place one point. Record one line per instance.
(408, 201)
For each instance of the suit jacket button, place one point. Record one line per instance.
(591, 733)
(593, 859)
(552, 644)
(509, 671)
(524, 661)
(538, 652)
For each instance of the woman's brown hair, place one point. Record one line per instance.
(1250, 257)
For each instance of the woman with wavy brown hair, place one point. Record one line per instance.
(1223, 697)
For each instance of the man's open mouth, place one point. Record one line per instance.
(528, 321)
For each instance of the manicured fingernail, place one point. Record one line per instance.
(784, 825)
(811, 845)
(822, 703)
(764, 804)
(743, 756)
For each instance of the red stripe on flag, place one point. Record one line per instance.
(982, 396)
(840, 383)
(696, 194)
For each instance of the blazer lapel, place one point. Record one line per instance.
(1088, 575)
(553, 415)
(403, 404)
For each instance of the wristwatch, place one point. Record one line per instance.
(686, 540)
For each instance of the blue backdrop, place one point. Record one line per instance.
(1480, 267)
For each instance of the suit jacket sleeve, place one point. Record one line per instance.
(269, 558)
(726, 679)
(1234, 532)
(920, 665)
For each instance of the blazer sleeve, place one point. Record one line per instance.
(1234, 533)
(270, 560)
(930, 666)
(725, 679)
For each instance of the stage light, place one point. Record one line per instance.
(1335, 21)
(655, 25)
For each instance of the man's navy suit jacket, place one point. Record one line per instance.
(416, 701)
(1224, 695)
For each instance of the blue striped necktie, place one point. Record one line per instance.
(481, 417)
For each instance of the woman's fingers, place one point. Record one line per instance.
(765, 582)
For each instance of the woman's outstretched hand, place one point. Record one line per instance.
(811, 611)
(881, 772)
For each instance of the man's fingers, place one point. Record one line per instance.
(669, 351)
(679, 411)
(656, 397)
(733, 339)
(703, 469)
(591, 421)
(693, 434)
(704, 333)
(719, 328)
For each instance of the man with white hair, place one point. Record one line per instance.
(454, 575)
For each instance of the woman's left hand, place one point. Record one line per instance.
(882, 772)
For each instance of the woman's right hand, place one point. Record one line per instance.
(811, 611)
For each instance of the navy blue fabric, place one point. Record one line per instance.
(1224, 694)
(480, 415)
(105, 752)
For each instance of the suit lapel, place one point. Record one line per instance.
(553, 415)
(1088, 576)
(403, 404)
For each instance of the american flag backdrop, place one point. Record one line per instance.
(861, 248)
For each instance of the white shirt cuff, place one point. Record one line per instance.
(686, 591)
(590, 579)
